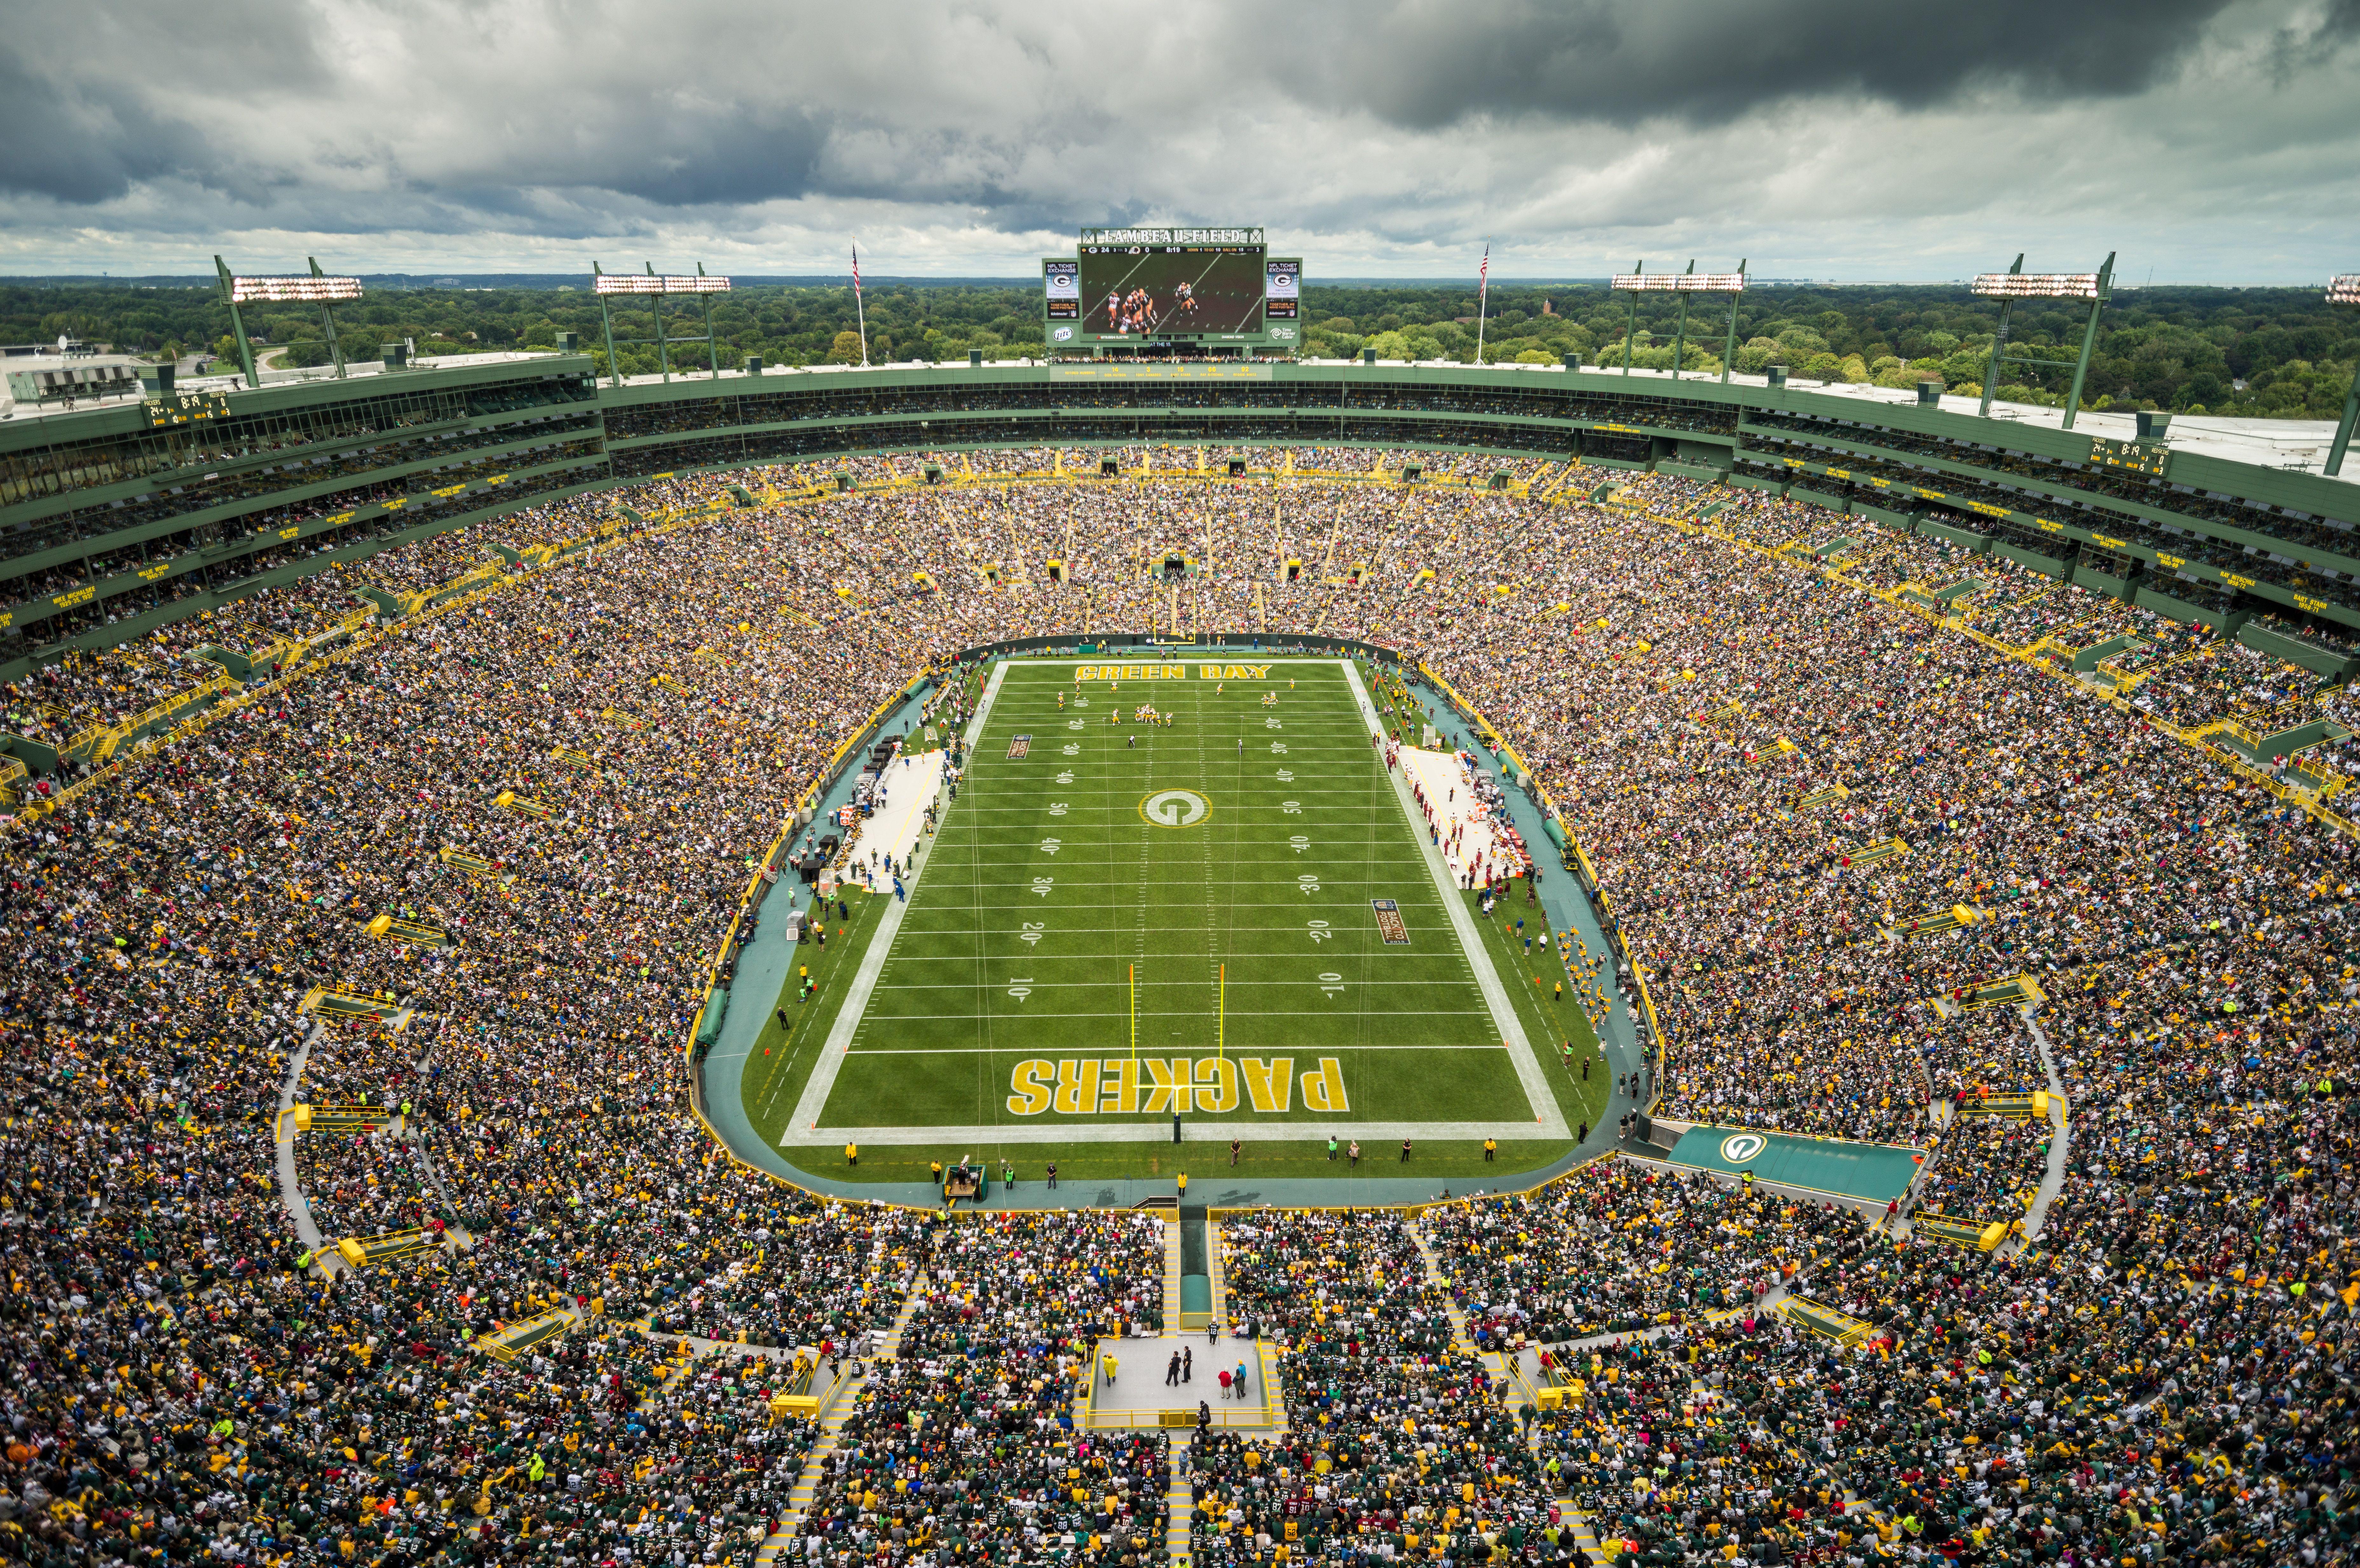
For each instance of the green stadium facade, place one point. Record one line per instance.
(117, 520)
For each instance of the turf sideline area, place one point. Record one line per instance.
(822, 1083)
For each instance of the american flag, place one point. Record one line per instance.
(856, 266)
(1482, 275)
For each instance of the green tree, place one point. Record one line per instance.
(846, 349)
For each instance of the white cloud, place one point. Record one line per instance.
(1832, 138)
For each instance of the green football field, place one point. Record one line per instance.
(1229, 918)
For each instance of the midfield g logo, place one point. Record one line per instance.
(1175, 808)
(1743, 1148)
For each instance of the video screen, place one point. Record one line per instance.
(1150, 292)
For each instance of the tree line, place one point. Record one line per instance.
(2280, 352)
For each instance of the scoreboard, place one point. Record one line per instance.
(1171, 289)
(2152, 459)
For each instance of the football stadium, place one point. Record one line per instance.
(749, 965)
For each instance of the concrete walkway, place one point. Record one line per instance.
(325, 1258)
(1139, 1389)
(291, 1191)
(2060, 1143)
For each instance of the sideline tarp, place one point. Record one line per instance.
(716, 1008)
(1880, 1171)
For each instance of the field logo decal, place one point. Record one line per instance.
(1389, 924)
(1018, 746)
(1175, 808)
(1743, 1147)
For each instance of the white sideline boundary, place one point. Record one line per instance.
(822, 1082)
(1529, 1072)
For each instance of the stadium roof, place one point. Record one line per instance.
(2295, 445)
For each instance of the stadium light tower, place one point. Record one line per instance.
(1636, 282)
(2344, 291)
(1639, 280)
(2016, 284)
(607, 285)
(314, 288)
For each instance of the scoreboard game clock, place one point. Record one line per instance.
(2153, 459)
(1165, 288)
(184, 407)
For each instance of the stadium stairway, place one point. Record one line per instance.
(1179, 1507)
(1460, 1338)
(838, 1411)
(1496, 1365)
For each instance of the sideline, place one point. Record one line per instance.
(1547, 1116)
(832, 1054)
(1567, 908)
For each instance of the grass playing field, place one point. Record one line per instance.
(1230, 917)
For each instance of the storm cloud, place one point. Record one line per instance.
(1837, 138)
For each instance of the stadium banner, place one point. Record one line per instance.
(1061, 283)
(1877, 1171)
(1159, 370)
(1145, 643)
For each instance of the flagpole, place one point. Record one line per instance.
(858, 309)
(1482, 292)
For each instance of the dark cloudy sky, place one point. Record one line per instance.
(2205, 140)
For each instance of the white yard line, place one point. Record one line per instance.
(1529, 1072)
(873, 962)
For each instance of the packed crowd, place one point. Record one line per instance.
(1398, 1442)
(1620, 1246)
(1017, 1286)
(1784, 780)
